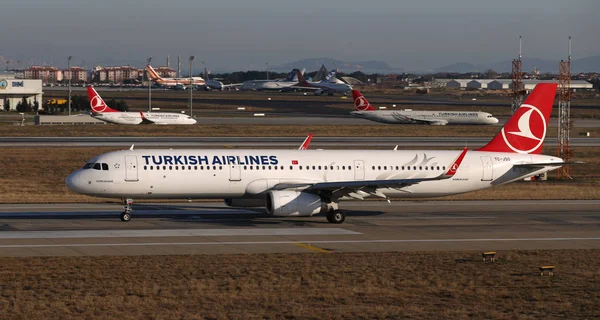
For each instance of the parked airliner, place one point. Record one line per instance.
(103, 112)
(173, 82)
(436, 118)
(277, 84)
(329, 85)
(296, 183)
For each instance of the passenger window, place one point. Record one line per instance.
(343, 167)
(105, 166)
(385, 168)
(170, 167)
(96, 166)
(176, 167)
(319, 167)
(164, 167)
(379, 167)
(220, 167)
(291, 168)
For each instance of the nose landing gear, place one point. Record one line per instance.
(126, 215)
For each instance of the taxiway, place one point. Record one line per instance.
(212, 228)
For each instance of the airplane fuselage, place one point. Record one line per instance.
(165, 118)
(427, 117)
(197, 174)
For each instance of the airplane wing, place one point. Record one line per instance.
(145, 120)
(418, 120)
(357, 188)
(544, 164)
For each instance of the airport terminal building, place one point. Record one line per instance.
(13, 90)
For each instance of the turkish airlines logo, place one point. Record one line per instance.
(360, 103)
(97, 104)
(527, 133)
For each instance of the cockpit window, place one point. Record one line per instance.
(104, 166)
(96, 166)
(88, 165)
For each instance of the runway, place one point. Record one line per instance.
(267, 142)
(371, 226)
(301, 120)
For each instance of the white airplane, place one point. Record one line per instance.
(329, 85)
(103, 112)
(277, 84)
(301, 183)
(173, 82)
(436, 118)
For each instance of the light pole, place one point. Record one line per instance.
(267, 70)
(70, 76)
(149, 88)
(191, 84)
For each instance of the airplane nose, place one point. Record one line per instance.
(494, 120)
(75, 182)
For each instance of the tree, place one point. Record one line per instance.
(7, 105)
(36, 105)
(24, 106)
(490, 74)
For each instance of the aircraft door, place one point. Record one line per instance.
(488, 168)
(235, 173)
(131, 170)
(359, 170)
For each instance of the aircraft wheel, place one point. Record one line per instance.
(336, 216)
(125, 216)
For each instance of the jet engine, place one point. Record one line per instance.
(439, 123)
(295, 203)
(244, 202)
(318, 92)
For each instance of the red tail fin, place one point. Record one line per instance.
(301, 79)
(526, 129)
(96, 102)
(360, 102)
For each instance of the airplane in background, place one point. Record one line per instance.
(436, 118)
(302, 183)
(277, 84)
(103, 112)
(329, 85)
(173, 82)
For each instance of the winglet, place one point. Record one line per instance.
(454, 167)
(306, 142)
(144, 119)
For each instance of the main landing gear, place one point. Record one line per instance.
(336, 216)
(126, 215)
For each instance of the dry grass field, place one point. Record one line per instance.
(264, 130)
(413, 285)
(37, 175)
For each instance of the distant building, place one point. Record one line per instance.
(46, 74)
(457, 83)
(79, 74)
(499, 84)
(12, 91)
(479, 83)
(166, 72)
(117, 74)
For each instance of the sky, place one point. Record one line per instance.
(248, 34)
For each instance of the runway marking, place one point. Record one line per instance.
(137, 244)
(311, 247)
(173, 233)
